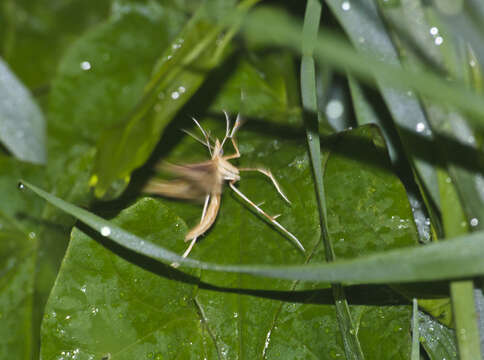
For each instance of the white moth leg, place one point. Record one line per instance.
(194, 240)
(270, 176)
(270, 218)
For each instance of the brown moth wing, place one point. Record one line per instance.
(178, 189)
(203, 175)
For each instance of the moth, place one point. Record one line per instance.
(204, 181)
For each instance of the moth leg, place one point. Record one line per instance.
(270, 218)
(194, 240)
(270, 176)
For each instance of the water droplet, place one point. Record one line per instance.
(439, 40)
(84, 288)
(32, 235)
(236, 315)
(68, 317)
(20, 185)
(474, 222)
(334, 109)
(175, 95)
(434, 31)
(420, 127)
(345, 6)
(105, 231)
(448, 180)
(176, 46)
(472, 63)
(94, 310)
(181, 89)
(85, 65)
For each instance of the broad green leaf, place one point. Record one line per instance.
(140, 306)
(44, 28)
(22, 124)
(179, 73)
(108, 303)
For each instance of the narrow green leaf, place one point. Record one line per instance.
(411, 264)
(415, 332)
(22, 124)
(309, 99)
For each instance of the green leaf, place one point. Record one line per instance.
(438, 340)
(368, 34)
(102, 75)
(22, 124)
(410, 264)
(331, 49)
(17, 267)
(179, 73)
(19, 241)
(108, 303)
(99, 289)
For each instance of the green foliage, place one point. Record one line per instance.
(95, 272)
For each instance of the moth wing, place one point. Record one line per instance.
(178, 189)
(203, 175)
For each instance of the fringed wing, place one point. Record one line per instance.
(193, 181)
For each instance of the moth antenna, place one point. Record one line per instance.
(209, 146)
(207, 137)
(294, 239)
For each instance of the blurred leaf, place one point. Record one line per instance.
(22, 125)
(17, 267)
(19, 240)
(44, 28)
(179, 73)
(101, 77)
(331, 49)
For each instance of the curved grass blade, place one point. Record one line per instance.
(309, 98)
(438, 261)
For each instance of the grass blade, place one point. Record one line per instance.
(402, 265)
(309, 99)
